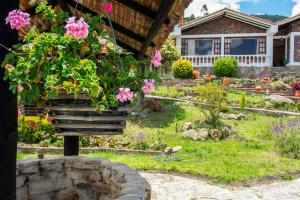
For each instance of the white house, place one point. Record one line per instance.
(257, 44)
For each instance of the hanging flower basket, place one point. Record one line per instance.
(78, 56)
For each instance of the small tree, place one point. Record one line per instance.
(211, 97)
(169, 53)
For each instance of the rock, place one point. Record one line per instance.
(227, 131)
(190, 134)
(20, 180)
(279, 99)
(187, 126)
(203, 134)
(22, 193)
(215, 134)
(176, 149)
(232, 116)
(168, 150)
(241, 116)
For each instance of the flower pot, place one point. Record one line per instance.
(208, 78)
(297, 93)
(258, 88)
(75, 117)
(226, 81)
(196, 74)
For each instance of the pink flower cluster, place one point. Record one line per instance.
(149, 86)
(107, 7)
(17, 19)
(78, 29)
(9, 67)
(156, 60)
(125, 95)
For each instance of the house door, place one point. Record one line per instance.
(278, 52)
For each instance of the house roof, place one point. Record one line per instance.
(140, 26)
(226, 12)
(288, 20)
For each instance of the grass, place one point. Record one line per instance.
(250, 154)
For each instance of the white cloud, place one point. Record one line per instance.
(296, 8)
(214, 5)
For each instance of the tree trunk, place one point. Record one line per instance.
(8, 111)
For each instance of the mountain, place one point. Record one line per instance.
(272, 18)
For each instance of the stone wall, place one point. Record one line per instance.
(243, 72)
(78, 178)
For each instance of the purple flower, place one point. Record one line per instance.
(78, 29)
(17, 19)
(149, 86)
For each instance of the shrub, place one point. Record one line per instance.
(214, 97)
(169, 53)
(225, 67)
(243, 101)
(35, 130)
(183, 69)
(287, 137)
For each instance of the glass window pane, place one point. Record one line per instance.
(243, 46)
(203, 47)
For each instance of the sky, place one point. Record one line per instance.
(273, 7)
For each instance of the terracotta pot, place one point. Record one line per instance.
(226, 81)
(258, 88)
(297, 93)
(208, 78)
(196, 73)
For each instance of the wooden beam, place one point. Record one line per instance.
(8, 111)
(160, 19)
(115, 25)
(134, 5)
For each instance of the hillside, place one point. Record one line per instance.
(273, 18)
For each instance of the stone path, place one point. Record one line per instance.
(169, 187)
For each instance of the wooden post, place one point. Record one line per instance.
(71, 145)
(8, 111)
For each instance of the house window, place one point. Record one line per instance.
(184, 47)
(204, 46)
(227, 46)
(262, 45)
(244, 46)
(217, 46)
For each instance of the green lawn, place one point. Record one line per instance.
(249, 154)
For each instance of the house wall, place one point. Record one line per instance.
(223, 25)
(297, 49)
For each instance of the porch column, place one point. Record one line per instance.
(292, 47)
(269, 61)
(222, 45)
(178, 44)
(286, 49)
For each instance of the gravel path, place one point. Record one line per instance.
(169, 187)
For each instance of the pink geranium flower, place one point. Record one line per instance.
(78, 29)
(125, 95)
(17, 19)
(9, 67)
(149, 86)
(107, 7)
(156, 60)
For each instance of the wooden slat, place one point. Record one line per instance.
(81, 109)
(70, 96)
(88, 118)
(88, 126)
(88, 133)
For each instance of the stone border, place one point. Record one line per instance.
(259, 110)
(63, 178)
(86, 150)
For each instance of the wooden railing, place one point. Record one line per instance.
(243, 60)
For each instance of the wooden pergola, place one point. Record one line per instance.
(141, 26)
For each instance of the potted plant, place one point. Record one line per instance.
(296, 88)
(75, 58)
(208, 78)
(258, 88)
(226, 81)
(196, 73)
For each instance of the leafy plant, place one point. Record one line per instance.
(183, 69)
(225, 67)
(169, 53)
(211, 98)
(243, 101)
(140, 142)
(296, 86)
(49, 62)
